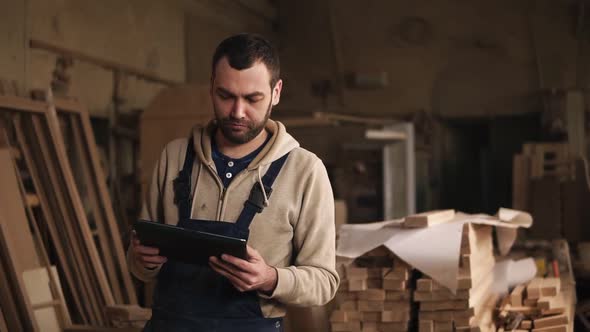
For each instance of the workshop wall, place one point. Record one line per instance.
(451, 58)
(209, 22)
(145, 34)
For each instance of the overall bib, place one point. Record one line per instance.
(196, 298)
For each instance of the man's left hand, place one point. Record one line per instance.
(252, 274)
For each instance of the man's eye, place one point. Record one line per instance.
(223, 96)
(253, 100)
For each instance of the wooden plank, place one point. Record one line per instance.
(441, 295)
(107, 205)
(38, 290)
(398, 295)
(370, 305)
(372, 295)
(8, 306)
(526, 324)
(345, 327)
(9, 266)
(69, 221)
(429, 218)
(550, 286)
(425, 326)
(76, 204)
(561, 328)
(424, 284)
(395, 316)
(444, 305)
(550, 321)
(58, 237)
(393, 326)
(533, 289)
(394, 284)
(22, 104)
(357, 285)
(546, 303)
(105, 245)
(62, 314)
(110, 65)
(337, 316)
(15, 221)
(3, 325)
(516, 296)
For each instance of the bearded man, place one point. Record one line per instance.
(220, 180)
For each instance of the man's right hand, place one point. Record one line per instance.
(146, 256)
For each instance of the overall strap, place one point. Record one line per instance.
(182, 184)
(255, 203)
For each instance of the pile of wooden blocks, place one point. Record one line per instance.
(540, 306)
(374, 295)
(469, 309)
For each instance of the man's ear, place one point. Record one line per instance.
(276, 92)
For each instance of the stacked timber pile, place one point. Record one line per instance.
(374, 295)
(541, 306)
(469, 309)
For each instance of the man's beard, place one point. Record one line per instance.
(253, 128)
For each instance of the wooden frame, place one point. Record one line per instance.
(96, 272)
(106, 221)
(59, 302)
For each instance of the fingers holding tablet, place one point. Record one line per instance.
(146, 256)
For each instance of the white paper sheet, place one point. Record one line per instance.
(509, 273)
(432, 250)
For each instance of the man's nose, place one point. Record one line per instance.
(239, 109)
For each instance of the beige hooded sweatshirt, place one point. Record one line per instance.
(295, 233)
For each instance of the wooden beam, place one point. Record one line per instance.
(25, 311)
(58, 237)
(3, 325)
(103, 236)
(105, 200)
(57, 139)
(429, 218)
(52, 277)
(22, 104)
(69, 220)
(107, 64)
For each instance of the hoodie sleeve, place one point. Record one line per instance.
(312, 279)
(153, 211)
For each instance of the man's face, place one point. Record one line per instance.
(242, 100)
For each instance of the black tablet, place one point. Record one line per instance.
(187, 245)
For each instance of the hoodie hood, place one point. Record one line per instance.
(279, 144)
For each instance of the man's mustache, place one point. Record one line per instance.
(234, 122)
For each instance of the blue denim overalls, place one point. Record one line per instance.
(194, 297)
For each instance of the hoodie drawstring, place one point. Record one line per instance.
(263, 190)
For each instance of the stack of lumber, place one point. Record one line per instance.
(55, 170)
(468, 309)
(127, 315)
(541, 306)
(374, 295)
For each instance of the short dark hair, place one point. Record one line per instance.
(244, 50)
